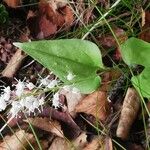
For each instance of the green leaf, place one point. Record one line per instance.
(69, 56)
(136, 51)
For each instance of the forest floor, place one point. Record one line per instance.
(37, 110)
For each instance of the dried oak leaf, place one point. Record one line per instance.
(145, 34)
(12, 3)
(17, 141)
(95, 104)
(47, 125)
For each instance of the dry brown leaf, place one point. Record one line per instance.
(47, 125)
(99, 143)
(64, 144)
(145, 34)
(47, 27)
(64, 117)
(129, 113)
(59, 144)
(17, 141)
(68, 15)
(95, 104)
(52, 16)
(107, 77)
(12, 3)
(72, 100)
(80, 141)
(13, 64)
(107, 41)
(44, 145)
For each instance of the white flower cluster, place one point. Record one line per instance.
(25, 96)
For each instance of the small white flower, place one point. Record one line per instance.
(20, 88)
(7, 89)
(3, 104)
(15, 109)
(7, 93)
(70, 76)
(45, 81)
(55, 100)
(22, 102)
(41, 101)
(29, 101)
(52, 84)
(30, 86)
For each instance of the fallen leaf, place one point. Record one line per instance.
(72, 100)
(129, 113)
(64, 118)
(99, 143)
(47, 125)
(108, 41)
(64, 144)
(17, 141)
(80, 142)
(145, 34)
(13, 64)
(47, 27)
(68, 16)
(44, 145)
(12, 3)
(60, 144)
(52, 16)
(95, 104)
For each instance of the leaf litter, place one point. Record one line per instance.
(86, 121)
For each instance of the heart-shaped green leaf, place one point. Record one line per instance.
(136, 51)
(74, 61)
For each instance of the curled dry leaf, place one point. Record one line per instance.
(13, 64)
(17, 141)
(145, 34)
(47, 125)
(129, 112)
(95, 104)
(12, 3)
